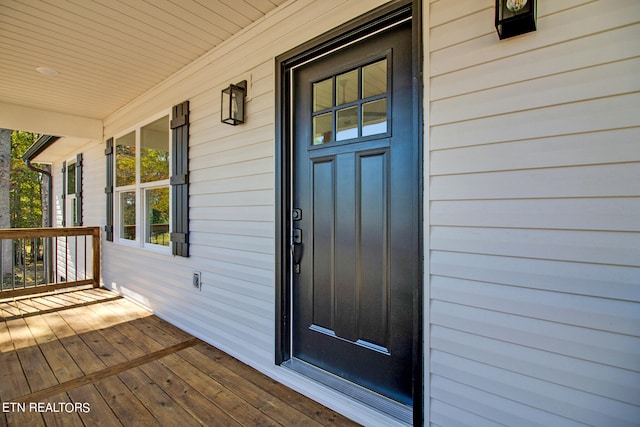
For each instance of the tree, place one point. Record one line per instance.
(5, 185)
(26, 185)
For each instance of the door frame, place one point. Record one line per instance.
(356, 29)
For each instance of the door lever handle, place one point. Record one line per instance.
(296, 252)
(296, 248)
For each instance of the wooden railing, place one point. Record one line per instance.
(35, 260)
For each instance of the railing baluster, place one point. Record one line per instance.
(48, 256)
(23, 257)
(75, 257)
(35, 272)
(55, 260)
(13, 264)
(86, 249)
(2, 266)
(34, 256)
(66, 258)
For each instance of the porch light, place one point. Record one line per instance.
(514, 17)
(232, 108)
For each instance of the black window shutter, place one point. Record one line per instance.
(180, 179)
(108, 228)
(63, 197)
(78, 213)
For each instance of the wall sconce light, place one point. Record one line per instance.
(232, 107)
(514, 17)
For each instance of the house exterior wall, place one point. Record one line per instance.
(71, 263)
(232, 198)
(532, 237)
(534, 173)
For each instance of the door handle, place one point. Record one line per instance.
(296, 248)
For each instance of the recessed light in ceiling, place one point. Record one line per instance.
(47, 71)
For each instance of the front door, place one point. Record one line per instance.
(355, 220)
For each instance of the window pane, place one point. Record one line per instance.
(347, 124)
(71, 178)
(74, 212)
(374, 79)
(157, 213)
(126, 160)
(374, 117)
(128, 215)
(347, 87)
(322, 95)
(154, 151)
(322, 128)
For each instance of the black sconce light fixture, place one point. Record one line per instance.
(514, 17)
(232, 107)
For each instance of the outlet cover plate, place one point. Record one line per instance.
(197, 280)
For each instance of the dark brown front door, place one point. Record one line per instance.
(356, 213)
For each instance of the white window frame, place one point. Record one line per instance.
(139, 188)
(70, 198)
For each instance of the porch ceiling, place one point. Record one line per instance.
(106, 53)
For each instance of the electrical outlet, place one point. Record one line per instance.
(197, 280)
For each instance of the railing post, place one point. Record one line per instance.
(95, 238)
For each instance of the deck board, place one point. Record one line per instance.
(91, 347)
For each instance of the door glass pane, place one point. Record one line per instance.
(322, 95)
(157, 208)
(128, 215)
(126, 160)
(347, 123)
(374, 117)
(374, 79)
(154, 151)
(347, 87)
(322, 128)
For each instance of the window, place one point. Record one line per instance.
(72, 192)
(71, 199)
(142, 184)
(351, 105)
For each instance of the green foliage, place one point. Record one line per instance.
(125, 165)
(26, 184)
(154, 165)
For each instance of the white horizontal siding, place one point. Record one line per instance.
(564, 119)
(608, 79)
(56, 174)
(610, 180)
(606, 213)
(480, 404)
(534, 237)
(579, 246)
(559, 400)
(566, 150)
(561, 26)
(601, 280)
(622, 317)
(598, 379)
(93, 184)
(577, 53)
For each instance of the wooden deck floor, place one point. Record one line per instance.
(91, 358)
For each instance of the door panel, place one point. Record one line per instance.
(355, 180)
(373, 231)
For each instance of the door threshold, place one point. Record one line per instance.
(399, 411)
